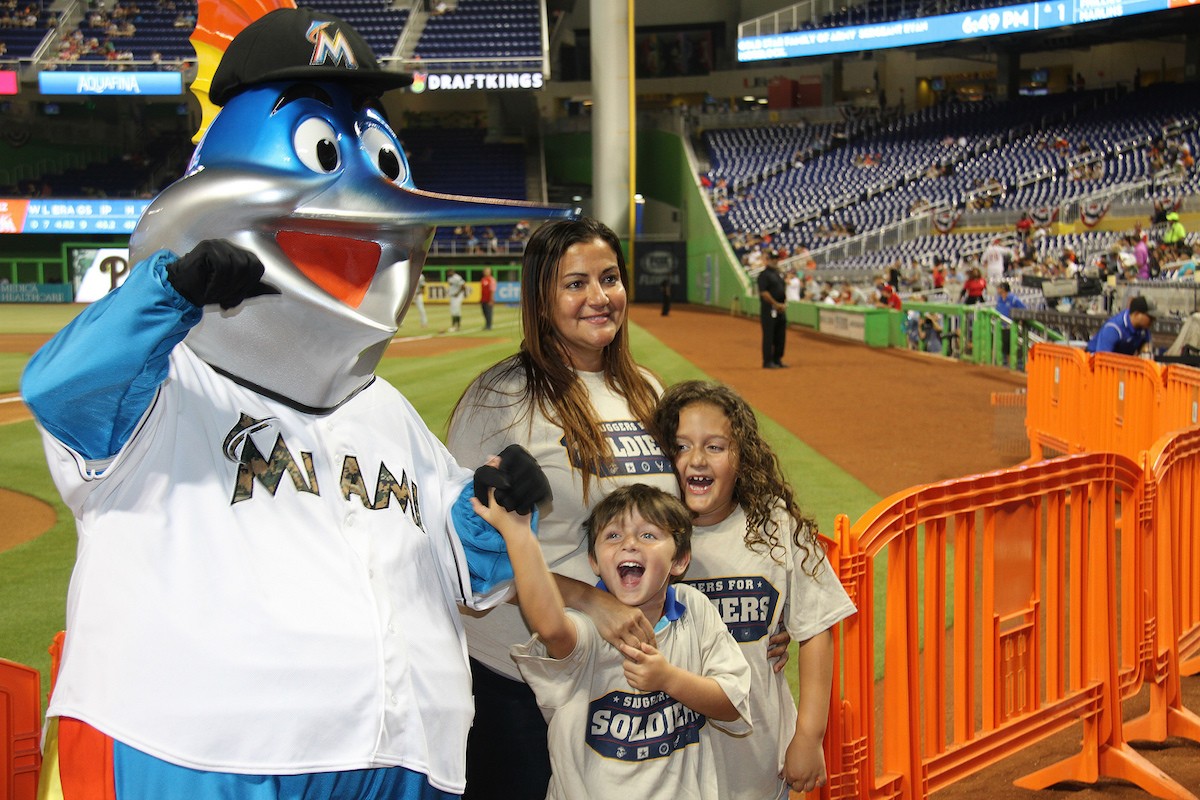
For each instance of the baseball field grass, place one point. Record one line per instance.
(34, 575)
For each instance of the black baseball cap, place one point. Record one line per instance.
(290, 44)
(1142, 305)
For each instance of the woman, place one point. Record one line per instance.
(573, 397)
(974, 288)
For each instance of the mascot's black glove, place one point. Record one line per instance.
(519, 481)
(216, 271)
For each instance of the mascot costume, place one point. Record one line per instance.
(272, 544)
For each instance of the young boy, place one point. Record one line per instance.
(628, 723)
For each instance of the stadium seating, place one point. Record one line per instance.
(462, 161)
(1021, 156)
(506, 34)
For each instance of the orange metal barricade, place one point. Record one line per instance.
(1181, 399)
(999, 596)
(1106, 402)
(1123, 405)
(1172, 475)
(20, 731)
(1057, 380)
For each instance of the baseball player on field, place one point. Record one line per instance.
(272, 544)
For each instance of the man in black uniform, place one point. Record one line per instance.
(772, 289)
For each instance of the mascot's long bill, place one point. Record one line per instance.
(272, 544)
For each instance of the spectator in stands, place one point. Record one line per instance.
(852, 295)
(792, 279)
(520, 232)
(891, 298)
(755, 259)
(1128, 332)
(490, 241)
(973, 288)
(772, 290)
(912, 329)
(930, 331)
(1141, 255)
(1176, 233)
(1186, 267)
(1006, 301)
(1025, 225)
(1070, 263)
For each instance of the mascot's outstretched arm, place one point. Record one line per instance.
(91, 397)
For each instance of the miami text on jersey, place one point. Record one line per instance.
(269, 471)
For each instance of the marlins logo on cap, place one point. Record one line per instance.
(293, 44)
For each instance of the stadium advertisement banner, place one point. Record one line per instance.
(844, 324)
(8, 82)
(110, 83)
(486, 81)
(34, 293)
(438, 292)
(18, 215)
(656, 263)
(97, 271)
(944, 28)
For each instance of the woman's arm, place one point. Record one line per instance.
(616, 622)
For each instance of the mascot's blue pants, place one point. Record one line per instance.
(95, 767)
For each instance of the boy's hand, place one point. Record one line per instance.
(646, 669)
(804, 764)
(494, 514)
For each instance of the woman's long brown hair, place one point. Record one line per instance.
(552, 386)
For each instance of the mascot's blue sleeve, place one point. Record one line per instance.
(91, 383)
(487, 555)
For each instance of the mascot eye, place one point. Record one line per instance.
(316, 145)
(385, 152)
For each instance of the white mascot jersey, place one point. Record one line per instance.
(262, 581)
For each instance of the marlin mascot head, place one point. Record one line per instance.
(301, 167)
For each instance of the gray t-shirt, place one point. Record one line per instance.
(608, 740)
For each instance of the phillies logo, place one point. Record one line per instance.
(329, 46)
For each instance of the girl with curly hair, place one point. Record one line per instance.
(757, 557)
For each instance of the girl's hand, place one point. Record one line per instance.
(804, 764)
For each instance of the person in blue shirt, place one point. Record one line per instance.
(1006, 301)
(1127, 332)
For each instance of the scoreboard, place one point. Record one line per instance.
(943, 28)
(65, 216)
